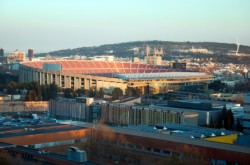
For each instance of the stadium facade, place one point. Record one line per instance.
(86, 74)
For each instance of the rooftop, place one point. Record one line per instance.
(193, 132)
(162, 75)
(98, 67)
(36, 129)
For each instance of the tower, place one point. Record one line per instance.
(1, 52)
(30, 53)
(147, 50)
(238, 46)
(161, 51)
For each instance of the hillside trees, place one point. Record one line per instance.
(116, 93)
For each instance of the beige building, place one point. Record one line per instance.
(108, 75)
(200, 50)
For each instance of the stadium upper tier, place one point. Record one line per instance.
(96, 67)
(169, 75)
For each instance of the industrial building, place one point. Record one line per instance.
(246, 117)
(43, 135)
(166, 144)
(84, 109)
(207, 113)
(79, 109)
(26, 155)
(138, 115)
(86, 74)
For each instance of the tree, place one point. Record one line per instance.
(92, 92)
(217, 85)
(242, 86)
(224, 116)
(128, 91)
(67, 93)
(32, 95)
(230, 119)
(100, 93)
(52, 91)
(227, 118)
(239, 126)
(116, 93)
(45, 93)
(80, 92)
(11, 87)
(137, 92)
(39, 93)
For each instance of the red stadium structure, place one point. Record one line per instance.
(86, 74)
(96, 67)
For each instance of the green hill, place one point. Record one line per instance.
(124, 49)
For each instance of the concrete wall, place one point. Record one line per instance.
(20, 106)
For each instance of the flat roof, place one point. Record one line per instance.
(37, 152)
(180, 109)
(178, 139)
(162, 75)
(184, 130)
(43, 129)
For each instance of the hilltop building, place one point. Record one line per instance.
(199, 50)
(102, 58)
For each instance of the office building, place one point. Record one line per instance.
(73, 109)
(137, 115)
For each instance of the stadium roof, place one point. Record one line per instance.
(163, 75)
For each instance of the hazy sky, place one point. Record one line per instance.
(47, 25)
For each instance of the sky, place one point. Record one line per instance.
(47, 25)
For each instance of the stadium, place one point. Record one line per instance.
(87, 74)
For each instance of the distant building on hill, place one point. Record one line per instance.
(30, 53)
(153, 56)
(200, 50)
